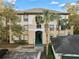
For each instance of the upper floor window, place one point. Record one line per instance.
(51, 27)
(51, 37)
(19, 18)
(25, 28)
(64, 24)
(62, 27)
(38, 19)
(25, 37)
(38, 25)
(25, 17)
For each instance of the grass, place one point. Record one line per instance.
(50, 53)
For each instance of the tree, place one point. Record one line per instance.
(10, 19)
(74, 16)
(47, 17)
(75, 21)
(46, 21)
(70, 8)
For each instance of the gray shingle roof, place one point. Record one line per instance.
(67, 44)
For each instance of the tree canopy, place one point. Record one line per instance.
(74, 15)
(9, 19)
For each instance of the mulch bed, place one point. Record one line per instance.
(7, 45)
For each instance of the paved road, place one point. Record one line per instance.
(20, 55)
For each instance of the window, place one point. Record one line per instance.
(25, 17)
(39, 19)
(63, 16)
(51, 37)
(57, 27)
(25, 37)
(19, 18)
(38, 25)
(51, 27)
(25, 28)
(62, 27)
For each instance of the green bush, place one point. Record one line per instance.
(20, 42)
(76, 31)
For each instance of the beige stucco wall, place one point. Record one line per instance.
(32, 29)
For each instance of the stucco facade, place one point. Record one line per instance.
(32, 29)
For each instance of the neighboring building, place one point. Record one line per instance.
(34, 32)
(66, 47)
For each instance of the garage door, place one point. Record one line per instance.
(69, 57)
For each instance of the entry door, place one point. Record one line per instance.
(38, 37)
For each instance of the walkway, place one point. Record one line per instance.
(20, 55)
(43, 56)
(22, 52)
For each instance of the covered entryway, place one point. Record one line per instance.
(38, 37)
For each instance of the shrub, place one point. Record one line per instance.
(20, 42)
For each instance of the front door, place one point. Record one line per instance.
(38, 37)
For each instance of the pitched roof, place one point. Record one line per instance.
(39, 11)
(67, 44)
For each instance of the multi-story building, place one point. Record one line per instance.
(34, 32)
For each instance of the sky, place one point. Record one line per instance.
(49, 4)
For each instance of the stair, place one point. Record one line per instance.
(39, 48)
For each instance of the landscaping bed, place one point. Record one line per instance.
(50, 52)
(7, 45)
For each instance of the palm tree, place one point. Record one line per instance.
(47, 17)
(46, 21)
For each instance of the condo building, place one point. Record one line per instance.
(34, 32)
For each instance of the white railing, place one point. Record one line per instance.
(39, 55)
